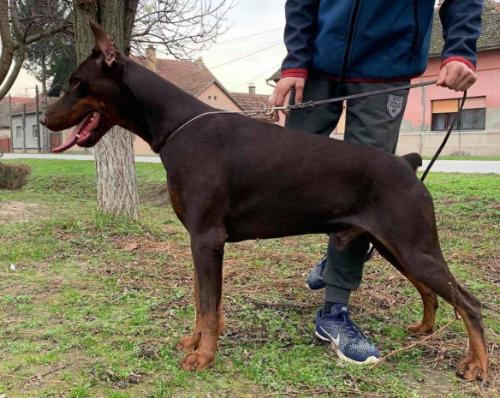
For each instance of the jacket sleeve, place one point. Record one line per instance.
(461, 20)
(301, 17)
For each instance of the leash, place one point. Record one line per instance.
(269, 111)
(446, 137)
(310, 104)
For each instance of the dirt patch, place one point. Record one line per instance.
(154, 194)
(13, 211)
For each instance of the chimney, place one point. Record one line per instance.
(251, 88)
(151, 58)
(199, 63)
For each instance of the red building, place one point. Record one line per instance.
(431, 109)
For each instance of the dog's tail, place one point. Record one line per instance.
(414, 159)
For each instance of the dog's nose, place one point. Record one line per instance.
(43, 119)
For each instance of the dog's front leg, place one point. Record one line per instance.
(207, 252)
(190, 342)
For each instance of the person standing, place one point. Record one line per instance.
(337, 48)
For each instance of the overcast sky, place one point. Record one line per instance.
(261, 53)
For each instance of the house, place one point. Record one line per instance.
(5, 144)
(19, 125)
(20, 129)
(252, 101)
(25, 131)
(430, 109)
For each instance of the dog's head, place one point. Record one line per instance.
(90, 102)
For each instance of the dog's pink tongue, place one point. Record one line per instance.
(70, 141)
(72, 138)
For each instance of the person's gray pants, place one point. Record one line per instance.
(374, 121)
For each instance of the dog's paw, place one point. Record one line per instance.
(188, 343)
(471, 369)
(197, 361)
(420, 328)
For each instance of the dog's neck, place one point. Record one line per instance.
(157, 107)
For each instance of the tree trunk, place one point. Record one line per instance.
(8, 45)
(12, 52)
(45, 132)
(114, 154)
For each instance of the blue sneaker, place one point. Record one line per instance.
(315, 280)
(350, 344)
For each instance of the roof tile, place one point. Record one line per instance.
(192, 77)
(490, 34)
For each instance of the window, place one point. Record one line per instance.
(209, 97)
(35, 131)
(473, 119)
(473, 115)
(215, 97)
(442, 121)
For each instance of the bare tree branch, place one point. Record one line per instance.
(41, 35)
(23, 22)
(16, 25)
(8, 44)
(180, 27)
(19, 59)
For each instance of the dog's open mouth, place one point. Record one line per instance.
(82, 134)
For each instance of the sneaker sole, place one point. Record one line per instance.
(368, 361)
(314, 289)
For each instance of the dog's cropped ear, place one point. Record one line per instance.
(104, 44)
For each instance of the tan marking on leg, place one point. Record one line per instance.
(429, 300)
(190, 343)
(204, 356)
(475, 365)
(221, 319)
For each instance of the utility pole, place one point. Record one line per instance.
(44, 101)
(10, 121)
(37, 119)
(24, 128)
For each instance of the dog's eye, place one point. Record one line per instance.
(82, 88)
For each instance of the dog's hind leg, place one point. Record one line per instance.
(207, 249)
(430, 302)
(429, 297)
(432, 271)
(423, 260)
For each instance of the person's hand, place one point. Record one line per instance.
(281, 93)
(456, 76)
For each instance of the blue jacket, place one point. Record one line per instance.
(374, 40)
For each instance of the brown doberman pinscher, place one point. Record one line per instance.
(232, 178)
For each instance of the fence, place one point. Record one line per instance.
(5, 145)
(471, 143)
(483, 143)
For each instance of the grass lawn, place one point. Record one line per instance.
(92, 306)
(465, 157)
